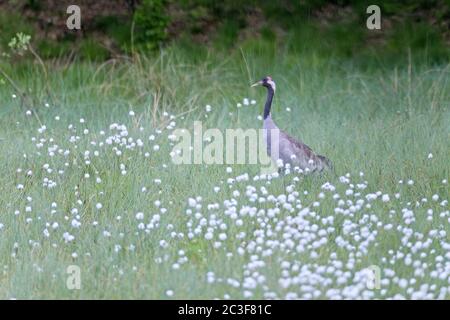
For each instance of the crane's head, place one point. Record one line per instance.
(266, 82)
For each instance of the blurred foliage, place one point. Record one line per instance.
(19, 43)
(326, 28)
(12, 23)
(150, 23)
(90, 49)
(117, 30)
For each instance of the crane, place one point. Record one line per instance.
(283, 148)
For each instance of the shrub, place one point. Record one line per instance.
(151, 23)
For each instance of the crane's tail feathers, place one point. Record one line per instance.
(327, 164)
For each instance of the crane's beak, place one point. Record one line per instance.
(256, 84)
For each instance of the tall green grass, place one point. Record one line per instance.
(381, 119)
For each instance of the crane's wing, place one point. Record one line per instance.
(299, 148)
(305, 156)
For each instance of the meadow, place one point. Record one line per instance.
(86, 179)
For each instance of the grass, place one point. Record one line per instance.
(382, 120)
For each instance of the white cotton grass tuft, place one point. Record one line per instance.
(169, 293)
(116, 184)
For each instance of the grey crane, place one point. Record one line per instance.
(281, 146)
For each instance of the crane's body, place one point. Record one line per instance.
(281, 146)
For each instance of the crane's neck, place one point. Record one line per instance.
(268, 105)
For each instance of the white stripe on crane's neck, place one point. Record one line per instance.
(272, 84)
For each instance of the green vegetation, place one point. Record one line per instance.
(337, 26)
(86, 176)
(367, 116)
(150, 23)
